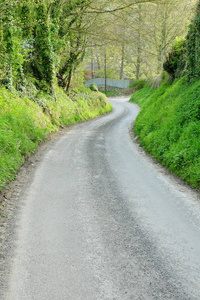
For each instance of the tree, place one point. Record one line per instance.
(43, 45)
(169, 20)
(144, 33)
(48, 39)
(73, 31)
(10, 47)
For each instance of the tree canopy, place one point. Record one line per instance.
(45, 40)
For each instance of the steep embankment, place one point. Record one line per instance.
(169, 127)
(24, 123)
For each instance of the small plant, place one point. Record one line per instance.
(93, 87)
(5, 82)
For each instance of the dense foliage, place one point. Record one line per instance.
(47, 39)
(169, 127)
(42, 40)
(193, 48)
(139, 84)
(176, 60)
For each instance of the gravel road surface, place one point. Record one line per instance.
(100, 220)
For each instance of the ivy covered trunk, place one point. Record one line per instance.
(77, 44)
(8, 39)
(44, 49)
(12, 43)
(193, 48)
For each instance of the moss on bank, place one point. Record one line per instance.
(24, 123)
(169, 127)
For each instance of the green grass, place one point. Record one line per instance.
(24, 123)
(110, 93)
(169, 127)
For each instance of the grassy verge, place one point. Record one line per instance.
(169, 127)
(111, 93)
(24, 123)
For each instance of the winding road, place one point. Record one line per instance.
(100, 220)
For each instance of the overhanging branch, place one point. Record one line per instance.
(100, 11)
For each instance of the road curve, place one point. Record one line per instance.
(101, 221)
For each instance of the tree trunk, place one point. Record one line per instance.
(8, 37)
(139, 46)
(122, 61)
(92, 61)
(98, 62)
(44, 46)
(163, 42)
(138, 65)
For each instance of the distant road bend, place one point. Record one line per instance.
(101, 221)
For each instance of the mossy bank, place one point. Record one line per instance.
(169, 127)
(26, 121)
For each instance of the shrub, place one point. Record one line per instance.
(93, 87)
(139, 84)
(176, 60)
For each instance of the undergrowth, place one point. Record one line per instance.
(24, 123)
(169, 127)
